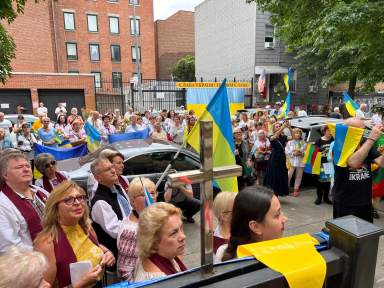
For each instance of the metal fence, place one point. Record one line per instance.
(112, 94)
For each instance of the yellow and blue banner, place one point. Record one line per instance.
(217, 111)
(59, 139)
(93, 137)
(295, 257)
(351, 105)
(288, 78)
(61, 153)
(199, 94)
(142, 134)
(347, 139)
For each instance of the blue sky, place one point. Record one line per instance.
(162, 9)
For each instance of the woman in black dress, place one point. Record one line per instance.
(276, 176)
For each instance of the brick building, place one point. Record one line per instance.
(66, 48)
(175, 38)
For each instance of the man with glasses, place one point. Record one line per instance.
(21, 204)
(109, 206)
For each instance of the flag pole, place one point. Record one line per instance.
(168, 168)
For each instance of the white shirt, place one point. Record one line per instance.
(42, 110)
(103, 214)
(6, 124)
(53, 181)
(302, 113)
(359, 114)
(134, 128)
(14, 229)
(60, 110)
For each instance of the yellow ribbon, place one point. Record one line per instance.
(295, 257)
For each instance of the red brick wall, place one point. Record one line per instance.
(31, 33)
(53, 81)
(175, 38)
(105, 39)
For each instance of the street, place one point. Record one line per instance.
(303, 217)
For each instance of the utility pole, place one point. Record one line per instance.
(138, 55)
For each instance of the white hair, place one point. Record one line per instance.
(22, 268)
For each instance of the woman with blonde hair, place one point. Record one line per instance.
(160, 241)
(222, 209)
(27, 267)
(127, 235)
(68, 237)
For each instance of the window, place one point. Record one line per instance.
(73, 72)
(141, 164)
(92, 23)
(97, 76)
(269, 33)
(94, 52)
(114, 25)
(115, 53)
(69, 21)
(134, 56)
(117, 79)
(135, 29)
(71, 50)
(184, 163)
(133, 2)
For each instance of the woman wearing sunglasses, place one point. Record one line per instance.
(45, 163)
(68, 237)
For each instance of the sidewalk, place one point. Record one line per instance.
(303, 217)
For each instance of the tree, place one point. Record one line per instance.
(334, 40)
(184, 69)
(9, 10)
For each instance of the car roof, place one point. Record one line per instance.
(130, 148)
(312, 121)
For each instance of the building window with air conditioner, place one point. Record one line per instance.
(269, 40)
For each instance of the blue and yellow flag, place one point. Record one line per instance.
(288, 78)
(93, 137)
(285, 107)
(351, 105)
(59, 139)
(217, 111)
(347, 139)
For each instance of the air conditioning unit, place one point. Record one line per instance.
(312, 89)
(269, 45)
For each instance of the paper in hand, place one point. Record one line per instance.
(78, 270)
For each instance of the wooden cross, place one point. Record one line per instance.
(204, 176)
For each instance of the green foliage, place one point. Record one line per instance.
(9, 9)
(184, 69)
(336, 40)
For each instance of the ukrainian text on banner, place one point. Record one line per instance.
(199, 94)
(62, 153)
(142, 134)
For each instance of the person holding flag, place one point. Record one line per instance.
(353, 183)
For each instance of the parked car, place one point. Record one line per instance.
(146, 158)
(27, 118)
(311, 126)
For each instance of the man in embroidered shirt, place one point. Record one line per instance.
(109, 206)
(21, 204)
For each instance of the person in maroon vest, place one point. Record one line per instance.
(68, 237)
(117, 159)
(222, 209)
(47, 165)
(160, 241)
(21, 204)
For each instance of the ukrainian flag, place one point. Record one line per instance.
(286, 106)
(288, 79)
(347, 139)
(217, 111)
(93, 137)
(351, 105)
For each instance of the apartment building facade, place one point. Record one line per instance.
(66, 49)
(175, 38)
(235, 39)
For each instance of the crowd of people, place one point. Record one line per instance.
(121, 230)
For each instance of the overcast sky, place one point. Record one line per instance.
(164, 8)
